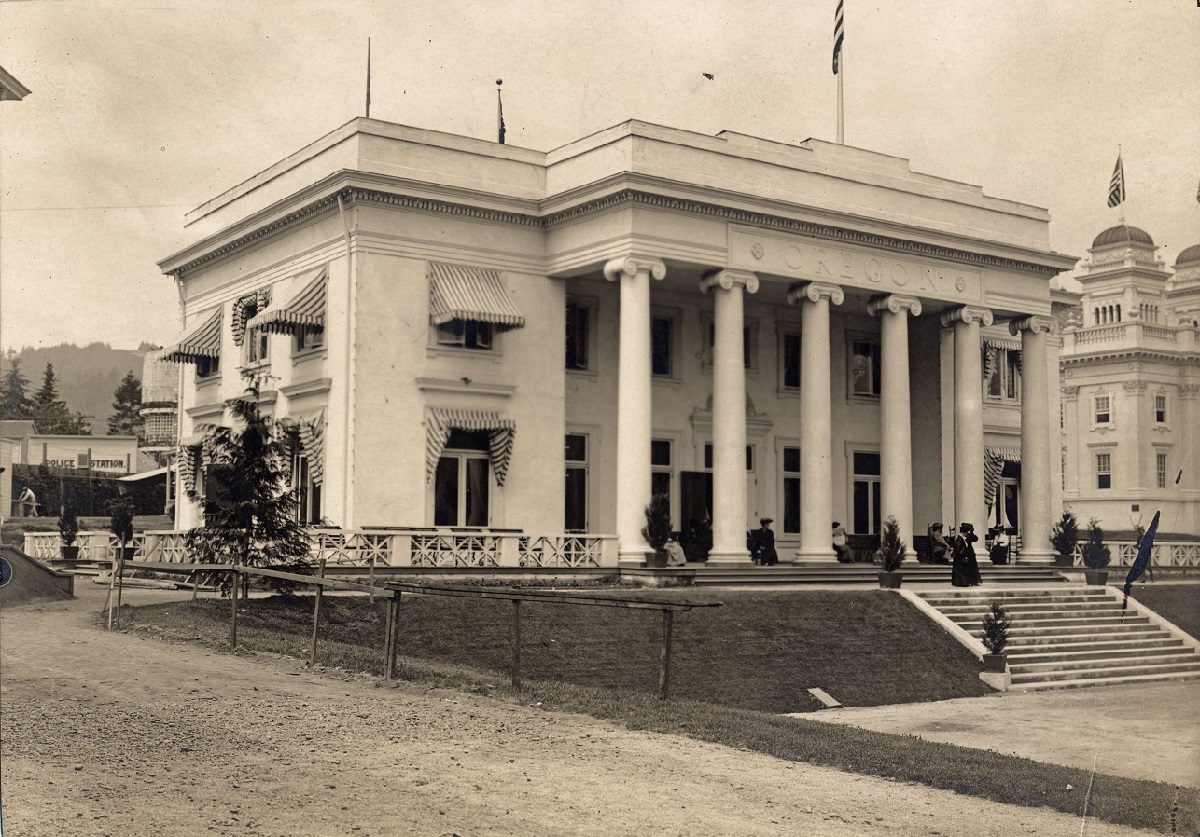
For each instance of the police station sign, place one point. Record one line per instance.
(845, 264)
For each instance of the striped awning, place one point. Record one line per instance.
(305, 311)
(994, 460)
(310, 428)
(204, 341)
(991, 353)
(246, 307)
(470, 293)
(440, 421)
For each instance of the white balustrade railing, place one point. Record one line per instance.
(1163, 554)
(362, 547)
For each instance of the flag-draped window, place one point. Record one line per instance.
(244, 308)
(440, 421)
(310, 434)
(994, 460)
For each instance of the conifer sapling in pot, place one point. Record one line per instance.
(657, 530)
(891, 553)
(996, 623)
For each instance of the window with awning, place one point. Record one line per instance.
(304, 312)
(246, 307)
(201, 344)
(994, 460)
(310, 431)
(440, 421)
(460, 294)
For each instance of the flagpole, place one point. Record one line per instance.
(499, 113)
(841, 131)
(368, 78)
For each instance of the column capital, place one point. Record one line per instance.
(813, 291)
(894, 303)
(967, 314)
(727, 279)
(1033, 324)
(632, 265)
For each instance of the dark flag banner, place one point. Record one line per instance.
(1116, 186)
(499, 113)
(1142, 561)
(839, 33)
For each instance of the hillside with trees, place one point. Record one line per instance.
(86, 378)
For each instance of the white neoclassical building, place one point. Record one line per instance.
(1130, 380)
(480, 337)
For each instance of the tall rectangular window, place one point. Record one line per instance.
(1160, 409)
(1103, 470)
(308, 493)
(660, 346)
(461, 482)
(577, 336)
(1160, 470)
(791, 490)
(1005, 380)
(660, 467)
(791, 361)
(866, 490)
(257, 345)
(865, 367)
(1103, 409)
(575, 455)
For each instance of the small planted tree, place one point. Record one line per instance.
(657, 530)
(1095, 553)
(249, 507)
(1064, 537)
(120, 518)
(892, 550)
(996, 623)
(68, 526)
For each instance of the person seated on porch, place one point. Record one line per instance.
(762, 544)
(999, 551)
(845, 554)
(938, 547)
(675, 554)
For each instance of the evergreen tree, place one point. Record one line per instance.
(249, 508)
(50, 415)
(125, 420)
(892, 550)
(16, 403)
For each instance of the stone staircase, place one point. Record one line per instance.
(860, 573)
(1070, 636)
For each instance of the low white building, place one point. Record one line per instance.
(472, 336)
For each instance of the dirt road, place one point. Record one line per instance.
(116, 734)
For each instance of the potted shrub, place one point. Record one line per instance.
(1063, 537)
(120, 513)
(891, 554)
(657, 530)
(996, 623)
(68, 531)
(1096, 555)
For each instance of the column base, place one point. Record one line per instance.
(728, 557)
(633, 557)
(1038, 557)
(815, 556)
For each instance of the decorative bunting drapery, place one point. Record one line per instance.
(470, 293)
(310, 428)
(187, 462)
(204, 341)
(992, 347)
(440, 421)
(257, 300)
(994, 460)
(305, 311)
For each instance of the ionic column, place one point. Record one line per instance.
(729, 414)
(816, 420)
(633, 402)
(968, 415)
(1037, 512)
(895, 409)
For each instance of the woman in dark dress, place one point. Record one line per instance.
(964, 571)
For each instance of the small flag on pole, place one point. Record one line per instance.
(1116, 186)
(499, 111)
(839, 34)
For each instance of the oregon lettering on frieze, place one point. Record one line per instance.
(846, 264)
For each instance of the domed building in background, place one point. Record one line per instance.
(1130, 375)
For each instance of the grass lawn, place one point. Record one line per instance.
(756, 651)
(1177, 603)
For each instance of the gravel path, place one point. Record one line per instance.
(117, 734)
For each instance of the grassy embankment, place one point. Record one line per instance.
(735, 667)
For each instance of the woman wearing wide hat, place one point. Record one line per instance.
(964, 571)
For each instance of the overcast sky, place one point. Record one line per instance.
(143, 109)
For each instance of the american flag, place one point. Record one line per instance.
(839, 33)
(1116, 186)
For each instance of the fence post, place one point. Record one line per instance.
(195, 576)
(312, 654)
(233, 597)
(371, 579)
(394, 646)
(120, 580)
(112, 580)
(664, 674)
(516, 644)
(387, 640)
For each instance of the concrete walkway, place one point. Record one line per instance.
(1142, 731)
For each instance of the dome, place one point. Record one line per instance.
(1191, 254)
(1122, 234)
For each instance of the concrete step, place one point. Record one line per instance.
(1041, 686)
(1039, 640)
(1062, 618)
(1014, 598)
(1090, 653)
(1150, 645)
(1082, 606)
(1109, 671)
(1091, 664)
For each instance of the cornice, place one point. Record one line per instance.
(625, 197)
(1121, 354)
